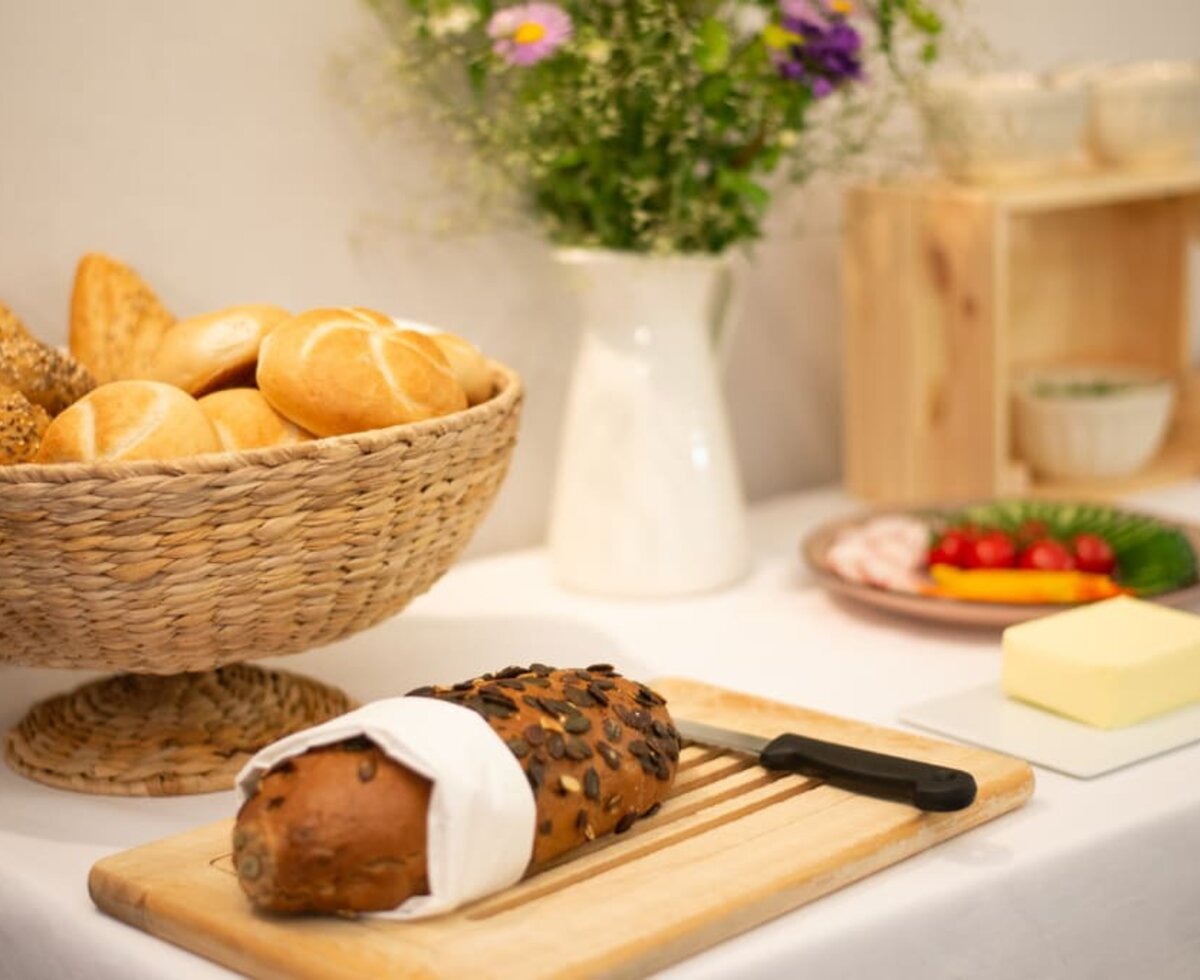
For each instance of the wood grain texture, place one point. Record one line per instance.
(922, 289)
(721, 857)
(1084, 187)
(950, 292)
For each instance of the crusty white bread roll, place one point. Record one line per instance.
(244, 419)
(203, 353)
(128, 420)
(366, 315)
(334, 371)
(466, 360)
(468, 364)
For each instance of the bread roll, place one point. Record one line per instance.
(116, 320)
(47, 377)
(348, 370)
(22, 424)
(468, 364)
(203, 353)
(342, 828)
(128, 420)
(244, 419)
(466, 360)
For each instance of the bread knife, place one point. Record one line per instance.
(889, 777)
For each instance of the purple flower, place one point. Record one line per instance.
(810, 10)
(826, 49)
(529, 32)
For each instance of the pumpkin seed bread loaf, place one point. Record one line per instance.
(342, 828)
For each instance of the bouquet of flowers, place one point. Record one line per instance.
(648, 125)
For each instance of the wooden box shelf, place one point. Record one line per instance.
(950, 291)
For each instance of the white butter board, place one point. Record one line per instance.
(985, 716)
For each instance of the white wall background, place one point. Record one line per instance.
(206, 143)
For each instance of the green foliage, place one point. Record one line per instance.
(657, 126)
(1153, 557)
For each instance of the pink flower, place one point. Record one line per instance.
(529, 32)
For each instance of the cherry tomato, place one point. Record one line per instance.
(1093, 554)
(993, 549)
(1047, 555)
(952, 548)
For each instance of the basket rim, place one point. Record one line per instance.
(510, 392)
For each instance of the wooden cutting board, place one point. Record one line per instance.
(733, 847)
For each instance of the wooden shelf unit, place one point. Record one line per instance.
(951, 290)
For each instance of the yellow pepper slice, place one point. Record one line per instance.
(1019, 585)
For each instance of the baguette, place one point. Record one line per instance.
(342, 828)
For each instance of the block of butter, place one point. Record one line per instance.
(1108, 664)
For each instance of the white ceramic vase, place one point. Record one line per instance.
(647, 499)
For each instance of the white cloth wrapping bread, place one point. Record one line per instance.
(482, 815)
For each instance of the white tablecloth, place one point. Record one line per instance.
(1091, 879)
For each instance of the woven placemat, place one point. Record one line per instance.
(153, 735)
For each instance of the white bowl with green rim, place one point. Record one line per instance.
(1091, 421)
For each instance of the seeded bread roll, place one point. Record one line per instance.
(129, 420)
(204, 353)
(342, 828)
(117, 321)
(349, 370)
(22, 424)
(47, 377)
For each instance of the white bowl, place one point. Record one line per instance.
(1003, 126)
(1145, 113)
(1091, 422)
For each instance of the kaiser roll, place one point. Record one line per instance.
(128, 420)
(334, 371)
(466, 360)
(244, 419)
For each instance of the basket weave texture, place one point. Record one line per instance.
(151, 735)
(184, 565)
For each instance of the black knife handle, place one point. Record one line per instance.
(925, 786)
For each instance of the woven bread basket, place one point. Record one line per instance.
(184, 565)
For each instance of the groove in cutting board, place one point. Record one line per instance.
(667, 828)
(721, 856)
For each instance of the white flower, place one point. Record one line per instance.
(453, 20)
(597, 51)
(747, 20)
(788, 138)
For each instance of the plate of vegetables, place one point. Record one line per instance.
(1002, 562)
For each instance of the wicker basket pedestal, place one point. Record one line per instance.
(156, 735)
